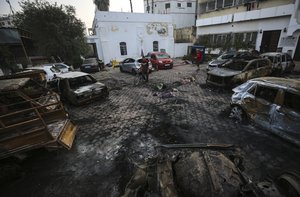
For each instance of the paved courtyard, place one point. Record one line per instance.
(125, 129)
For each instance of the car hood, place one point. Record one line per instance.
(224, 72)
(96, 87)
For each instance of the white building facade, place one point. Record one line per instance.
(183, 12)
(119, 35)
(267, 25)
(6, 21)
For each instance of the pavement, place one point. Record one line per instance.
(117, 133)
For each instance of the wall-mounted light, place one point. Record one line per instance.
(284, 30)
(260, 31)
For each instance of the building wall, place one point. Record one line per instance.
(186, 34)
(269, 16)
(181, 49)
(137, 30)
(182, 16)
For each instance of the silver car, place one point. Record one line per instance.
(132, 65)
(270, 102)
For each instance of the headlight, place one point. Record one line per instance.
(160, 62)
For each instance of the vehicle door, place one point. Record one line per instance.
(125, 64)
(286, 115)
(264, 101)
(284, 63)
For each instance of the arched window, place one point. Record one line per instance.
(123, 48)
(155, 45)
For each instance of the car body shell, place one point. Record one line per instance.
(239, 71)
(225, 57)
(281, 62)
(132, 65)
(80, 88)
(160, 60)
(90, 65)
(272, 103)
(48, 69)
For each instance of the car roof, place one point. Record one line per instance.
(284, 83)
(69, 75)
(13, 84)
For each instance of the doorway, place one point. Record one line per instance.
(270, 41)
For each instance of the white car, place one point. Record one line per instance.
(49, 70)
(59, 66)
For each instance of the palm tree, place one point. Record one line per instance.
(102, 5)
(131, 6)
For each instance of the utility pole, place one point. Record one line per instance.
(11, 8)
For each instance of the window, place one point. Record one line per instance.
(123, 48)
(155, 45)
(288, 57)
(266, 93)
(188, 4)
(262, 63)
(211, 5)
(179, 5)
(228, 3)
(252, 66)
(292, 101)
(283, 58)
(167, 5)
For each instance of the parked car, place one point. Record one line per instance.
(48, 69)
(225, 57)
(272, 103)
(160, 60)
(32, 116)
(239, 71)
(132, 65)
(63, 67)
(281, 62)
(90, 65)
(79, 88)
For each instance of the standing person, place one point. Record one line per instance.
(199, 57)
(145, 69)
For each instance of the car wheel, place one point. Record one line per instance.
(238, 114)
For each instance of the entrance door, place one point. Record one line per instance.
(269, 41)
(297, 52)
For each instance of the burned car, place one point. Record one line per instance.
(239, 71)
(281, 62)
(272, 103)
(202, 170)
(31, 117)
(79, 88)
(225, 57)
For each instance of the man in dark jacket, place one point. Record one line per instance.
(145, 69)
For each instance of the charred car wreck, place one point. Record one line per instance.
(239, 71)
(272, 103)
(32, 117)
(79, 88)
(203, 170)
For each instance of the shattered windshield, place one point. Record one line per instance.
(81, 81)
(226, 56)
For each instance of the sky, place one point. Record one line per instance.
(85, 9)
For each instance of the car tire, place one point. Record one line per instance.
(238, 114)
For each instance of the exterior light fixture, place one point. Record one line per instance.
(284, 30)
